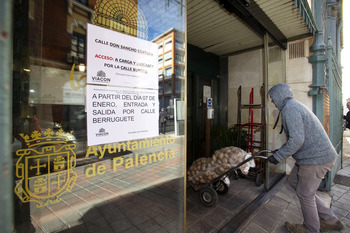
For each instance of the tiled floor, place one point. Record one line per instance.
(136, 199)
(97, 206)
(105, 207)
(201, 219)
(142, 199)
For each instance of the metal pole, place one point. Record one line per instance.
(6, 200)
(267, 120)
(318, 60)
(330, 89)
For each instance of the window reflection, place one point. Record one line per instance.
(60, 181)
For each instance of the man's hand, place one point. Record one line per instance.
(272, 159)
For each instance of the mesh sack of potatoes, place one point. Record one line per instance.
(201, 171)
(204, 170)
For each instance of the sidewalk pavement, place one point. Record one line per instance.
(284, 205)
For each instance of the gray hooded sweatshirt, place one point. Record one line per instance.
(307, 141)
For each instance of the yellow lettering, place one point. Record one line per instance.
(154, 156)
(113, 149)
(136, 160)
(72, 80)
(129, 163)
(143, 160)
(143, 144)
(162, 141)
(91, 150)
(170, 140)
(156, 142)
(134, 145)
(101, 169)
(161, 156)
(102, 151)
(128, 143)
(90, 171)
(117, 162)
(120, 145)
(172, 154)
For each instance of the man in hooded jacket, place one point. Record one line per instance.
(309, 144)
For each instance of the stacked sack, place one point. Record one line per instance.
(204, 170)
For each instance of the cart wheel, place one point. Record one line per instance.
(208, 195)
(240, 174)
(258, 179)
(234, 175)
(221, 187)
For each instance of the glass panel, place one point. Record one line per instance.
(276, 74)
(160, 48)
(160, 74)
(168, 58)
(179, 86)
(179, 43)
(160, 60)
(67, 177)
(168, 43)
(168, 72)
(179, 72)
(160, 89)
(167, 88)
(179, 57)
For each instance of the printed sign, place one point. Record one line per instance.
(117, 114)
(206, 93)
(68, 88)
(117, 59)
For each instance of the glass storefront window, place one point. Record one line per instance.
(168, 44)
(168, 58)
(168, 72)
(179, 43)
(179, 72)
(160, 60)
(160, 48)
(179, 86)
(167, 88)
(160, 74)
(276, 64)
(179, 57)
(87, 152)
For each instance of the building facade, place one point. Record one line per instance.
(171, 73)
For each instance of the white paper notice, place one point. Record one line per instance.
(117, 59)
(117, 114)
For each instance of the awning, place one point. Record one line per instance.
(224, 27)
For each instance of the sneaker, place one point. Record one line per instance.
(295, 228)
(331, 226)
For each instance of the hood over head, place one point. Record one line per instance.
(280, 94)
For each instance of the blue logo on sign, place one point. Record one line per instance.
(210, 103)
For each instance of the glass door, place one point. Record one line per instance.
(88, 88)
(275, 72)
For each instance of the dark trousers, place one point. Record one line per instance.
(162, 127)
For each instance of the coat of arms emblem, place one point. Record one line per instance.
(45, 168)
